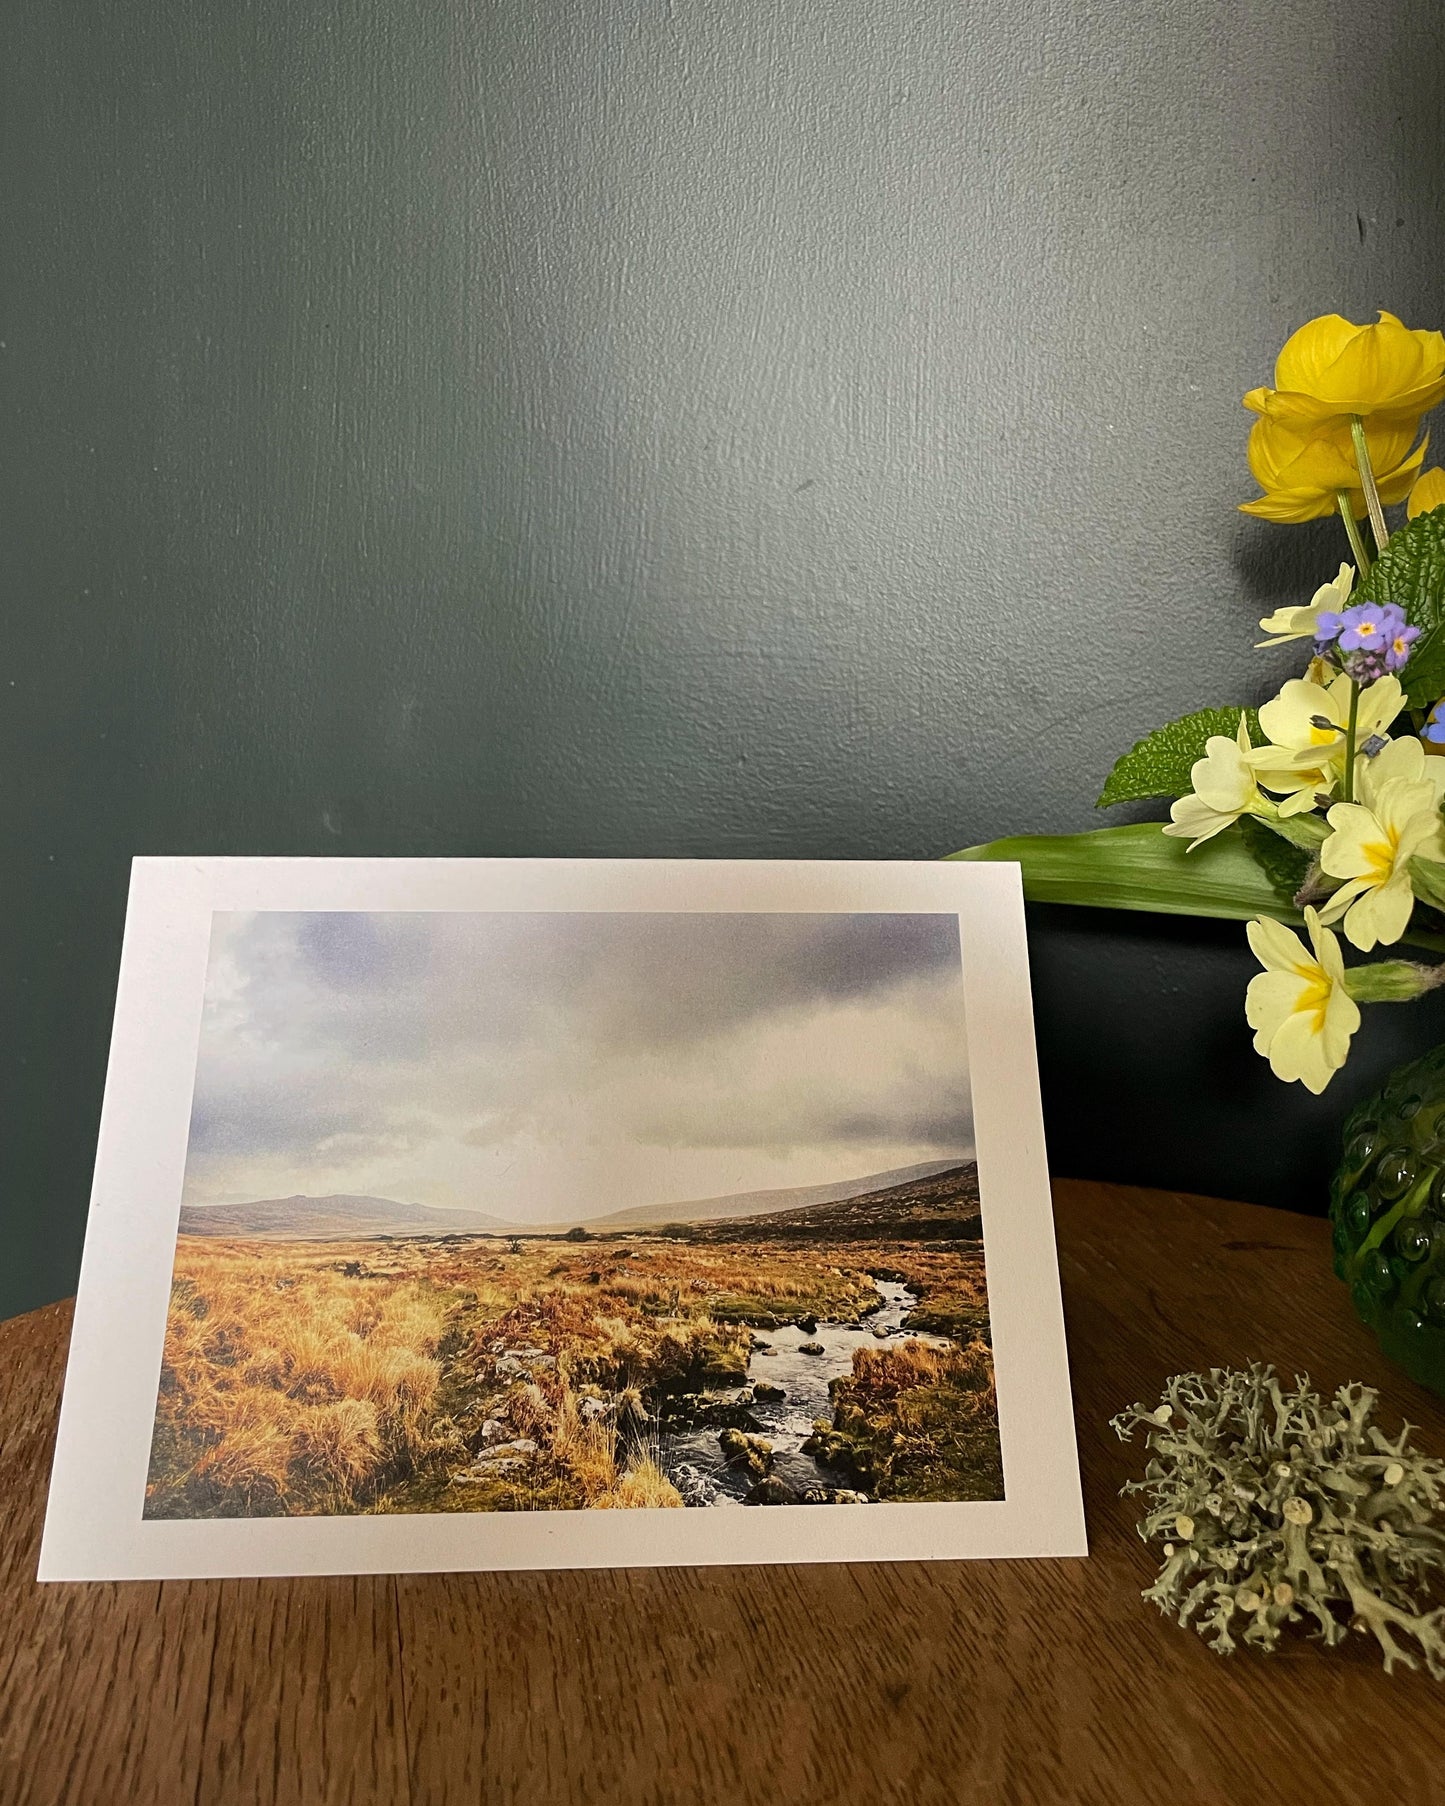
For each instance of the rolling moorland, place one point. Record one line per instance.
(482, 1371)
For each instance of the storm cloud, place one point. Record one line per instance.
(546, 1066)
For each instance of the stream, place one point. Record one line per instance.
(692, 1458)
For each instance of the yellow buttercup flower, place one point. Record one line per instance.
(1224, 789)
(1307, 728)
(1331, 369)
(1303, 472)
(1298, 1006)
(1303, 623)
(1428, 493)
(1396, 818)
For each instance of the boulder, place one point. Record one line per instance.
(768, 1394)
(504, 1451)
(857, 1460)
(808, 1325)
(812, 1348)
(499, 1458)
(751, 1452)
(770, 1491)
(701, 1411)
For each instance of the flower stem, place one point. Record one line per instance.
(1349, 795)
(1367, 483)
(1352, 527)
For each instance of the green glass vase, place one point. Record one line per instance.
(1387, 1207)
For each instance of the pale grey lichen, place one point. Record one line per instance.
(1276, 1507)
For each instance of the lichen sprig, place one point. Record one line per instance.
(1276, 1508)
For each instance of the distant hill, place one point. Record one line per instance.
(334, 1218)
(939, 1206)
(345, 1217)
(760, 1203)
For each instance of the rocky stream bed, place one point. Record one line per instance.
(761, 1444)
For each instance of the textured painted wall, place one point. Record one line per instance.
(682, 427)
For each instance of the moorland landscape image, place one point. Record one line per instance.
(568, 1211)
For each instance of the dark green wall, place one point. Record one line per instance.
(685, 427)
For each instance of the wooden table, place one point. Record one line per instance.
(1028, 1682)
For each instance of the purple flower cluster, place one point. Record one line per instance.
(1367, 640)
(1434, 728)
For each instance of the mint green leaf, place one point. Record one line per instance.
(1411, 572)
(1424, 676)
(1161, 762)
(1284, 862)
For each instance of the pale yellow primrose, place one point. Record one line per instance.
(1298, 1006)
(1396, 818)
(1307, 725)
(1303, 623)
(1224, 789)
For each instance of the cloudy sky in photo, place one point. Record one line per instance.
(546, 1068)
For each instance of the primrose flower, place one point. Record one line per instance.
(1224, 789)
(1374, 840)
(1433, 732)
(1330, 369)
(1303, 623)
(1428, 493)
(1304, 471)
(1298, 1006)
(1307, 725)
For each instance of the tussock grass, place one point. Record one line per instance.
(285, 1390)
(644, 1487)
(923, 1421)
(329, 1378)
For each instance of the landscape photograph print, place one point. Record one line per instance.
(561, 1211)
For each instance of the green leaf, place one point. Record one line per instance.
(1424, 676)
(1411, 572)
(1141, 867)
(1285, 862)
(1161, 762)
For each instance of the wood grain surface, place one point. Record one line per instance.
(1002, 1682)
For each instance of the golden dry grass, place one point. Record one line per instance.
(644, 1487)
(342, 1377)
(283, 1388)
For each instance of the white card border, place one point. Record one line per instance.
(94, 1529)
